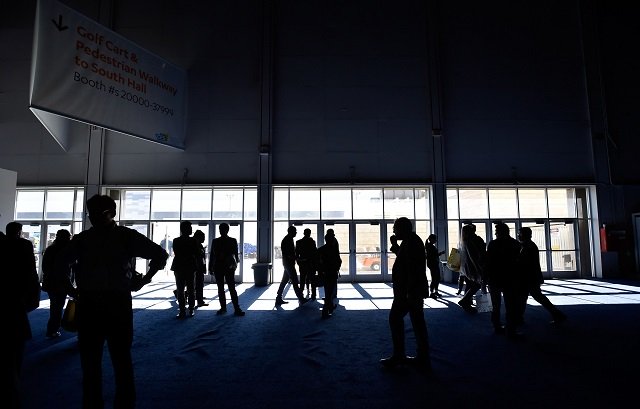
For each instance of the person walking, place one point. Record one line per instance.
(21, 296)
(104, 258)
(472, 259)
(305, 257)
(433, 264)
(186, 252)
(329, 266)
(410, 288)
(288, 249)
(529, 263)
(223, 261)
(56, 281)
(504, 279)
(201, 269)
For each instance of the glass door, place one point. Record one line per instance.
(368, 252)
(343, 235)
(163, 233)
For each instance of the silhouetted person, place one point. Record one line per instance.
(305, 256)
(529, 264)
(186, 251)
(433, 263)
(201, 270)
(223, 262)
(472, 259)
(410, 288)
(21, 295)
(504, 279)
(289, 263)
(105, 259)
(56, 280)
(329, 265)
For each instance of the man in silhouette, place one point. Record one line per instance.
(21, 296)
(305, 256)
(201, 269)
(410, 288)
(504, 279)
(473, 252)
(529, 264)
(184, 265)
(56, 281)
(433, 263)
(105, 256)
(223, 262)
(288, 249)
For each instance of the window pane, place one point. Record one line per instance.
(563, 260)
(227, 204)
(423, 204)
(532, 202)
(196, 204)
(537, 234)
(251, 204)
(59, 205)
(367, 204)
(398, 203)
(135, 205)
(452, 204)
(165, 205)
(304, 204)
(503, 203)
(281, 204)
(562, 202)
(336, 204)
(29, 204)
(422, 229)
(453, 235)
(473, 204)
(79, 207)
(562, 236)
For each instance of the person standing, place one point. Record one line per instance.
(186, 251)
(305, 256)
(288, 249)
(104, 258)
(330, 263)
(410, 288)
(529, 263)
(433, 264)
(223, 262)
(56, 281)
(201, 264)
(472, 259)
(21, 296)
(504, 279)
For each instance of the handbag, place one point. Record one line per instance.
(69, 321)
(483, 302)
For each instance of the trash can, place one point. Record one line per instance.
(261, 274)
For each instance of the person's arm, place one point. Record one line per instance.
(235, 252)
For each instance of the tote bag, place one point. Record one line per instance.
(69, 316)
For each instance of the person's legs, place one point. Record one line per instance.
(283, 283)
(536, 293)
(56, 308)
(399, 309)
(435, 281)
(200, 288)
(180, 283)
(329, 286)
(191, 290)
(496, 302)
(221, 294)
(293, 276)
(231, 284)
(416, 314)
(467, 300)
(119, 342)
(91, 341)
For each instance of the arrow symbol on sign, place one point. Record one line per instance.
(58, 24)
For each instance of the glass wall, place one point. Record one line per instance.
(553, 213)
(44, 211)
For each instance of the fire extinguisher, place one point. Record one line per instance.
(603, 239)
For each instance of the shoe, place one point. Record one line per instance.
(239, 313)
(54, 335)
(280, 301)
(191, 313)
(304, 301)
(433, 295)
(175, 293)
(392, 361)
(468, 307)
(181, 315)
(221, 311)
(202, 304)
(458, 293)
